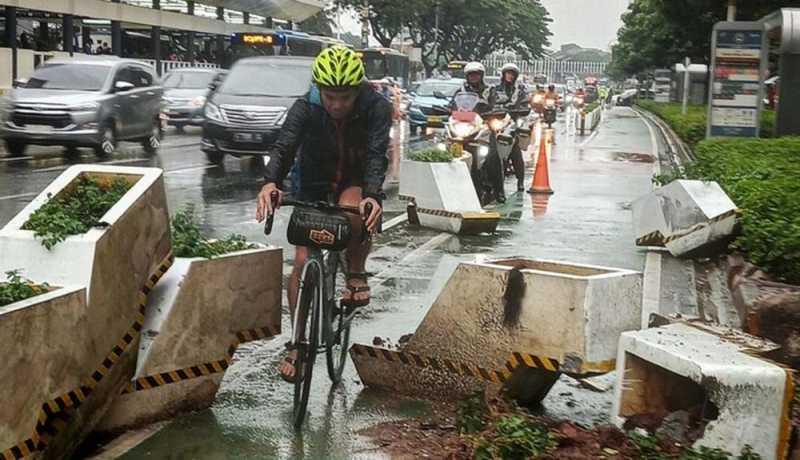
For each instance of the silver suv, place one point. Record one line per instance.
(85, 102)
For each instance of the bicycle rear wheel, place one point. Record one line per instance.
(336, 332)
(306, 339)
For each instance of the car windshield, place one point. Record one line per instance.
(429, 87)
(76, 77)
(188, 80)
(285, 79)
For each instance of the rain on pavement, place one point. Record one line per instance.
(587, 220)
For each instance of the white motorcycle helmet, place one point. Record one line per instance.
(510, 67)
(474, 67)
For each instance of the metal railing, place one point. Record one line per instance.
(547, 66)
(166, 66)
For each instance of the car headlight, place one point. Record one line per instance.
(462, 129)
(86, 107)
(212, 112)
(496, 124)
(198, 101)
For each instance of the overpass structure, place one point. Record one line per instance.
(77, 20)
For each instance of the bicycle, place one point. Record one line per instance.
(317, 296)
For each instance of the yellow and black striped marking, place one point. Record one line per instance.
(440, 213)
(199, 370)
(405, 198)
(651, 239)
(514, 361)
(55, 413)
(723, 216)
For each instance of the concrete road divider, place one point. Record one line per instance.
(37, 349)
(118, 265)
(550, 316)
(709, 379)
(686, 216)
(197, 316)
(445, 197)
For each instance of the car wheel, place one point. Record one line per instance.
(215, 157)
(16, 148)
(152, 143)
(414, 129)
(108, 141)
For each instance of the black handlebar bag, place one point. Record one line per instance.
(322, 228)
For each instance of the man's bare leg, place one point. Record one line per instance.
(292, 292)
(357, 251)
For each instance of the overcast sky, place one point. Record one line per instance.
(588, 23)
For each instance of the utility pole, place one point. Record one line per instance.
(731, 10)
(436, 37)
(687, 81)
(365, 25)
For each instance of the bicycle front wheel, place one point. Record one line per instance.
(336, 331)
(306, 338)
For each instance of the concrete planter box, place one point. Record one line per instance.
(445, 197)
(568, 314)
(197, 315)
(680, 367)
(685, 216)
(113, 263)
(45, 357)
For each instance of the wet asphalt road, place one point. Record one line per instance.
(586, 221)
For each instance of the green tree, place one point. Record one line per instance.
(321, 24)
(467, 29)
(659, 33)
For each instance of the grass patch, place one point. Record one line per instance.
(692, 127)
(761, 177)
(188, 241)
(76, 210)
(431, 156)
(16, 288)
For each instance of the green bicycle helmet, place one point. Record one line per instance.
(338, 67)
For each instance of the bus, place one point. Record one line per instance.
(456, 69)
(380, 63)
(280, 43)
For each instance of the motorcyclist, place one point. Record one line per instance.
(537, 100)
(474, 73)
(552, 94)
(514, 95)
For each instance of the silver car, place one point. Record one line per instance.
(185, 92)
(85, 102)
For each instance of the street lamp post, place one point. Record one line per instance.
(731, 10)
(365, 25)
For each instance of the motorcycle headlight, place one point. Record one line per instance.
(551, 103)
(86, 107)
(538, 99)
(579, 100)
(462, 129)
(483, 152)
(198, 101)
(496, 124)
(212, 112)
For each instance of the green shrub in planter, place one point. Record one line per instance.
(188, 241)
(75, 210)
(431, 156)
(16, 288)
(762, 177)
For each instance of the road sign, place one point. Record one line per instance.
(738, 66)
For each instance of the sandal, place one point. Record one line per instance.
(290, 361)
(353, 290)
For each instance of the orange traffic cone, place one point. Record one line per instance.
(541, 177)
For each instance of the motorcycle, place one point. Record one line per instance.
(550, 112)
(485, 139)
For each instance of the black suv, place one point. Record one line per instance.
(245, 114)
(85, 102)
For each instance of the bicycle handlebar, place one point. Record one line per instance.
(322, 205)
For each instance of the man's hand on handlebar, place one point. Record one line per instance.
(375, 211)
(264, 207)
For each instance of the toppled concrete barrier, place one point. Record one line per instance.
(118, 265)
(197, 316)
(519, 319)
(730, 396)
(445, 197)
(686, 216)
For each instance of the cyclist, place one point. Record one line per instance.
(340, 131)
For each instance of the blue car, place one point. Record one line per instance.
(420, 111)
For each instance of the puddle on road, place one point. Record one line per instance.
(632, 157)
